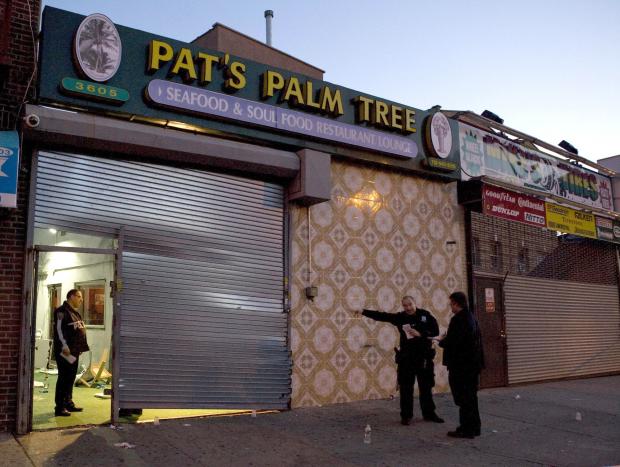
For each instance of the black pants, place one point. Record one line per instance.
(407, 374)
(464, 387)
(66, 380)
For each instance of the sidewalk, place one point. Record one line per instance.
(527, 425)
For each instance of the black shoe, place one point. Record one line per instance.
(73, 408)
(434, 418)
(62, 413)
(460, 434)
(405, 421)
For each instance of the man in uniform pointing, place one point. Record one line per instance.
(415, 358)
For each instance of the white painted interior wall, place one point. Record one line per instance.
(68, 269)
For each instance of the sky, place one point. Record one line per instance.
(549, 68)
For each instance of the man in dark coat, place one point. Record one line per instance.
(464, 358)
(69, 342)
(415, 357)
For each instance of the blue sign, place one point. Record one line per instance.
(9, 167)
(182, 98)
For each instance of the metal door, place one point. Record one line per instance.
(490, 314)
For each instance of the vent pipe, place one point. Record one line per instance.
(268, 17)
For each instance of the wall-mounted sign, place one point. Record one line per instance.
(607, 229)
(97, 48)
(506, 204)
(95, 91)
(9, 168)
(438, 142)
(489, 300)
(167, 80)
(570, 221)
(487, 154)
(200, 101)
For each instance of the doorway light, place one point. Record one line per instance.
(53, 231)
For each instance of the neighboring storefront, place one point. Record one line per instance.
(542, 238)
(222, 217)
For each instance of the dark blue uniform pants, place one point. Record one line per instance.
(407, 374)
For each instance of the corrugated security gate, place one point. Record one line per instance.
(562, 310)
(202, 293)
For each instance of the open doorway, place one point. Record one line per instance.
(74, 263)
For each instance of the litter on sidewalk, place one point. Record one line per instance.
(125, 445)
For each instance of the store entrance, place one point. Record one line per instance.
(490, 314)
(58, 270)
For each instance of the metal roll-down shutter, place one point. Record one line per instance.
(560, 329)
(202, 321)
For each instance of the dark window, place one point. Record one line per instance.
(496, 257)
(475, 251)
(523, 261)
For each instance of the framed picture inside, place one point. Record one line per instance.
(93, 306)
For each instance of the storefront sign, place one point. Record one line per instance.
(487, 154)
(507, 204)
(95, 91)
(568, 220)
(97, 48)
(9, 167)
(438, 141)
(200, 101)
(137, 74)
(607, 229)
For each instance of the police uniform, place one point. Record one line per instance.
(414, 359)
(69, 331)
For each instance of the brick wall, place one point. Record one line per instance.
(17, 66)
(504, 247)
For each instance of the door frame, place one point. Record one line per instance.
(27, 341)
(478, 309)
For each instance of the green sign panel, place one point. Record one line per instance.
(95, 91)
(145, 75)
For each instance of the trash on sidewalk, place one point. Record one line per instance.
(253, 413)
(116, 427)
(367, 435)
(187, 424)
(125, 445)
(578, 416)
(156, 421)
(517, 397)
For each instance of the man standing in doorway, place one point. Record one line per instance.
(415, 357)
(69, 342)
(464, 358)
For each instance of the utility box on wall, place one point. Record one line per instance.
(313, 182)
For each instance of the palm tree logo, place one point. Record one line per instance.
(97, 47)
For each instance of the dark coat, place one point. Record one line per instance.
(463, 344)
(417, 349)
(72, 328)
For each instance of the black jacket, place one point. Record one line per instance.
(462, 346)
(417, 349)
(72, 329)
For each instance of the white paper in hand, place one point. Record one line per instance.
(409, 331)
(70, 358)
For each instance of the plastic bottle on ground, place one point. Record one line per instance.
(367, 434)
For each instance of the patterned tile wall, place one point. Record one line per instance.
(384, 234)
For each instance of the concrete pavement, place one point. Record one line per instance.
(527, 425)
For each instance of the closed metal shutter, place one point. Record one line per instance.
(202, 322)
(560, 329)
